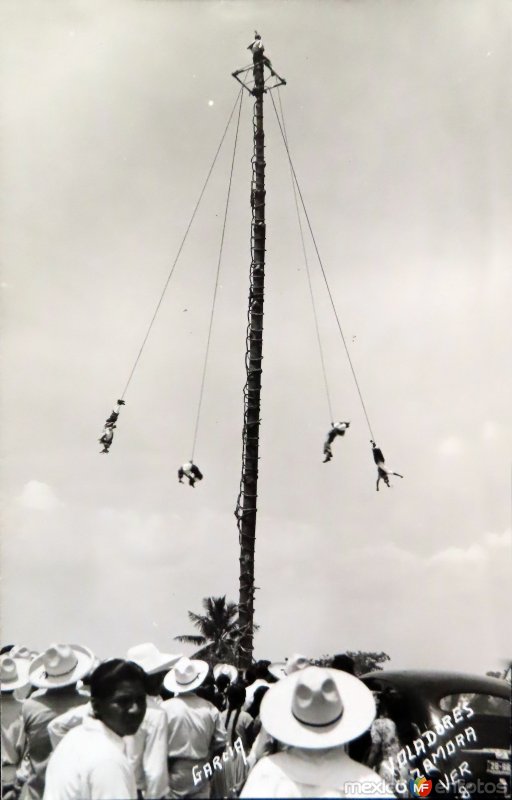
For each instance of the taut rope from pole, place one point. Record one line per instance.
(310, 285)
(201, 391)
(139, 354)
(323, 273)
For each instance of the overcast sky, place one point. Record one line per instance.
(399, 121)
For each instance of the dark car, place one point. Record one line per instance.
(453, 729)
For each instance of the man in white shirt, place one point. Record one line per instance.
(90, 763)
(55, 674)
(195, 729)
(147, 749)
(257, 49)
(300, 772)
(337, 429)
(191, 471)
(13, 675)
(315, 712)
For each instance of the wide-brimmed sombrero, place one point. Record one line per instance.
(60, 665)
(149, 657)
(280, 669)
(225, 669)
(13, 673)
(317, 708)
(186, 675)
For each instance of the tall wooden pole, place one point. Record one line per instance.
(247, 499)
(247, 507)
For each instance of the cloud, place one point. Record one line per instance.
(425, 611)
(39, 496)
(458, 555)
(446, 609)
(126, 576)
(499, 539)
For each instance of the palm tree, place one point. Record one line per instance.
(218, 638)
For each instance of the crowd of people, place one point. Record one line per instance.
(159, 725)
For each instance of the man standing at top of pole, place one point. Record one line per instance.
(257, 49)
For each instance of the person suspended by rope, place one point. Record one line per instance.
(382, 472)
(111, 421)
(107, 436)
(190, 471)
(338, 429)
(257, 49)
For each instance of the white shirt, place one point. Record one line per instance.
(298, 772)
(262, 746)
(187, 470)
(146, 749)
(37, 711)
(11, 726)
(250, 691)
(65, 722)
(195, 727)
(256, 46)
(90, 764)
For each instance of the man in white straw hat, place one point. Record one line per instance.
(13, 676)
(152, 661)
(55, 673)
(195, 728)
(315, 712)
(226, 669)
(224, 675)
(280, 669)
(90, 763)
(20, 651)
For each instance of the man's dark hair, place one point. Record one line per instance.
(254, 708)
(207, 689)
(109, 674)
(236, 695)
(236, 699)
(250, 676)
(261, 669)
(154, 682)
(344, 663)
(222, 681)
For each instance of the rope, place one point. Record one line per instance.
(315, 315)
(201, 391)
(179, 252)
(323, 273)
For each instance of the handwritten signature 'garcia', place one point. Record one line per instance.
(206, 771)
